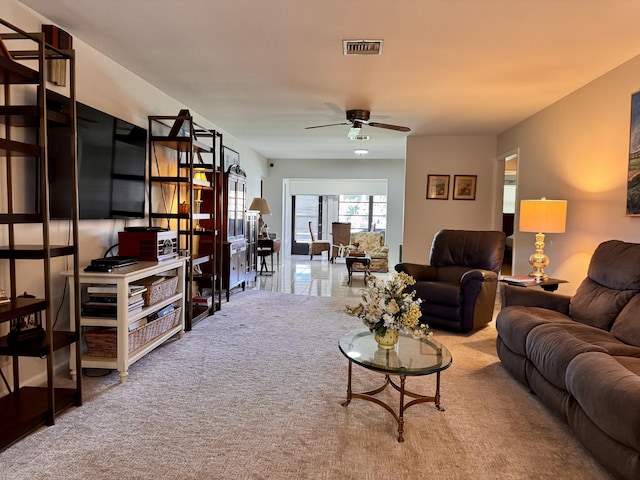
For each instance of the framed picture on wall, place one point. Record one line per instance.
(438, 187)
(231, 157)
(464, 187)
(633, 174)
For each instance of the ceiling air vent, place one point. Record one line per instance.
(362, 47)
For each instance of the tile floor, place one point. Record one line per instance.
(318, 277)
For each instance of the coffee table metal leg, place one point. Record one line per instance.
(401, 413)
(349, 394)
(399, 416)
(437, 396)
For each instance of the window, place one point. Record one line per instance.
(364, 212)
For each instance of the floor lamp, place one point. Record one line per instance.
(261, 205)
(538, 216)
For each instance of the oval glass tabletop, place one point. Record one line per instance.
(410, 356)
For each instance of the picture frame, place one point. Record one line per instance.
(438, 187)
(231, 157)
(633, 166)
(464, 187)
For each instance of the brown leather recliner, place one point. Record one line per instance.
(458, 287)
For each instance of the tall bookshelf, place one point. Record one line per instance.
(25, 233)
(184, 162)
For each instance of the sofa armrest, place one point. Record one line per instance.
(479, 274)
(527, 297)
(418, 272)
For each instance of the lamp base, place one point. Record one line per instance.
(538, 260)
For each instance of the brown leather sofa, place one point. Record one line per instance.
(581, 355)
(458, 287)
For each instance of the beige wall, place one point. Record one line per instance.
(464, 155)
(577, 149)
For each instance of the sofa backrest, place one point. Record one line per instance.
(471, 248)
(368, 240)
(613, 279)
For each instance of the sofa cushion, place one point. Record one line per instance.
(438, 293)
(607, 388)
(475, 249)
(550, 348)
(515, 322)
(596, 305)
(372, 243)
(627, 326)
(452, 274)
(614, 265)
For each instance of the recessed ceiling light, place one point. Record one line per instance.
(361, 151)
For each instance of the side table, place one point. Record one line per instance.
(364, 260)
(549, 285)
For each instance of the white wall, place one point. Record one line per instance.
(391, 170)
(577, 149)
(447, 155)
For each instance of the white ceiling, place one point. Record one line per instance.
(263, 70)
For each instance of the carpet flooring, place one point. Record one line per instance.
(255, 392)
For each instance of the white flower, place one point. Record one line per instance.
(387, 305)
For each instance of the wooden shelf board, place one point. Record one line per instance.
(181, 144)
(38, 348)
(34, 252)
(15, 73)
(23, 411)
(21, 306)
(170, 179)
(29, 116)
(18, 148)
(200, 313)
(6, 218)
(201, 167)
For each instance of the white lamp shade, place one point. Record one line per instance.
(260, 204)
(543, 216)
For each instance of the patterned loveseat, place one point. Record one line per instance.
(373, 244)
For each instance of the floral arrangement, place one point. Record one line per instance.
(388, 306)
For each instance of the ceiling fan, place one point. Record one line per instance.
(358, 118)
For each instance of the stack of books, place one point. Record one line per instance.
(103, 300)
(518, 279)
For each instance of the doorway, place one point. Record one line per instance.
(305, 209)
(509, 199)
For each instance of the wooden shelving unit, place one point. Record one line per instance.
(24, 158)
(184, 163)
(121, 279)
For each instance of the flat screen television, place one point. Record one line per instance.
(111, 166)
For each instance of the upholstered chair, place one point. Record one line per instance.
(458, 287)
(373, 244)
(318, 246)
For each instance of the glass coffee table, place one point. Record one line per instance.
(410, 357)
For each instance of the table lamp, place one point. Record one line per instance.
(538, 216)
(202, 178)
(260, 204)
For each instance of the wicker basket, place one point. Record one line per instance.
(102, 341)
(158, 289)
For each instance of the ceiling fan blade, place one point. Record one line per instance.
(389, 127)
(329, 125)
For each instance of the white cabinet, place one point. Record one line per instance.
(122, 278)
